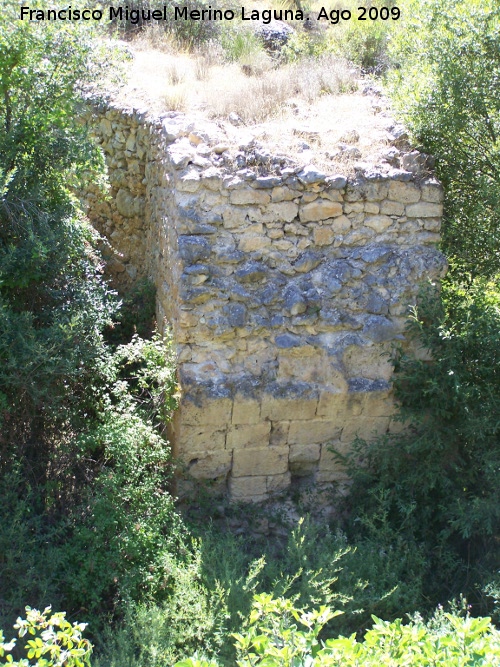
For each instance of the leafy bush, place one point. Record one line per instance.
(53, 641)
(446, 88)
(153, 634)
(187, 33)
(114, 482)
(364, 43)
(241, 44)
(136, 315)
(87, 518)
(435, 485)
(311, 565)
(280, 634)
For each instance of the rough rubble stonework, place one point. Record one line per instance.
(285, 289)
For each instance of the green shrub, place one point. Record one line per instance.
(364, 43)
(279, 634)
(188, 33)
(154, 634)
(435, 486)
(137, 315)
(241, 44)
(87, 518)
(114, 480)
(446, 89)
(311, 565)
(52, 641)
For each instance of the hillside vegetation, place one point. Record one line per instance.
(87, 521)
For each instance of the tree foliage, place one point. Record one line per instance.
(86, 515)
(436, 484)
(446, 88)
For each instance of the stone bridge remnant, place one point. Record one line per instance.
(284, 287)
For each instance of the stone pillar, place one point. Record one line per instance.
(285, 288)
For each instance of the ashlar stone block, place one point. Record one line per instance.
(279, 433)
(388, 207)
(304, 363)
(278, 483)
(332, 404)
(246, 411)
(248, 489)
(211, 411)
(378, 222)
(303, 459)
(249, 435)
(253, 243)
(340, 225)
(282, 193)
(321, 209)
(330, 468)
(200, 438)
(260, 461)
(369, 362)
(279, 409)
(405, 193)
(209, 465)
(249, 196)
(424, 209)
(281, 212)
(323, 236)
(432, 191)
(314, 431)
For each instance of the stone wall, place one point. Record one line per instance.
(284, 287)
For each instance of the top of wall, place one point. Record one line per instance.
(248, 150)
(349, 133)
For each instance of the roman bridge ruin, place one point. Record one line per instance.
(285, 289)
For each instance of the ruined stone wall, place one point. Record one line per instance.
(284, 287)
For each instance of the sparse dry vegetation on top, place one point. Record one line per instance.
(292, 96)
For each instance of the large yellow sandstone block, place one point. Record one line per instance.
(249, 196)
(246, 411)
(303, 459)
(321, 209)
(279, 409)
(214, 411)
(249, 435)
(199, 439)
(406, 193)
(209, 465)
(424, 209)
(277, 483)
(333, 404)
(261, 461)
(314, 431)
(248, 489)
(330, 469)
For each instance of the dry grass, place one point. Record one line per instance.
(176, 73)
(176, 99)
(156, 38)
(266, 94)
(304, 109)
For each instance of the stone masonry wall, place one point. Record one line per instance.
(284, 287)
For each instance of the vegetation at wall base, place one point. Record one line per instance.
(435, 486)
